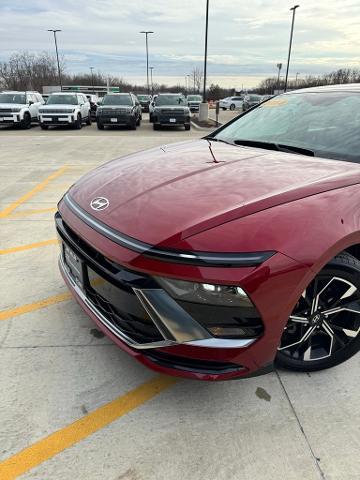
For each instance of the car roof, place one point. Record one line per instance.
(343, 87)
(66, 93)
(118, 94)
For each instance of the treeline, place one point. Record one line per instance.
(343, 75)
(28, 71)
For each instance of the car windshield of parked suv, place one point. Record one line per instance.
(117, 100)
(12, 98)
(194, 98)
(324, 124)
(253, 98)
(143, 98)
(170, 100)
(62, 99)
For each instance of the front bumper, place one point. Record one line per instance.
(121, 120)
(9, 118)
(183, 351)
(56, 119)
(170, 120)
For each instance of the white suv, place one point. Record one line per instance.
(20, 108)
(68, 108)
(231, 103)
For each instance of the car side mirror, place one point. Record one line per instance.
(153, 104)
(31, 102)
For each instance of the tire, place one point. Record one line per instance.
(323, 337)
(232, 107)
(100, 126)
(156, 126)
(44, 127)
(26, 122)
(187, 126)
(151, 118)
(133, 124)
(138, 122)
(88, 120)
(224, 108)
(78, 122)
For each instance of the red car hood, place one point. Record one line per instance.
(169, 193)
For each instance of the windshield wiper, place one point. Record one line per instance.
(214, 139)
(275, 146)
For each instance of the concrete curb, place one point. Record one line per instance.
(205, 129)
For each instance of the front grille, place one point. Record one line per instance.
(192, 364)
(113, 111)
(55, 110)
(109, 287)
(169, 111)
(5, 110)
(138, 329)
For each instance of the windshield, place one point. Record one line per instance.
(143, 98)
(170, 100)
(194, 98)
(253, 98)
(12, 98)
(62, 99)
(117, 100)
(326, 123)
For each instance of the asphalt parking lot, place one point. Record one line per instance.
(73, 405)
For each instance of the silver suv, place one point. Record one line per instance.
(20, 108)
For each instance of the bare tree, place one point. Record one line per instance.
(196, 79)
(27, 71)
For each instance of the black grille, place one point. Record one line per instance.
(5, 110)
(136, 328)
(192, 364)
(109, 287)
(56, 110)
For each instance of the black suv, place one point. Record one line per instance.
(119, 109)
(171, 110)
(144, 101)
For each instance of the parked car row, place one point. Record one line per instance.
(242, 102)
(75, 109)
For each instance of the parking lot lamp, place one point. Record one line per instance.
(92, 79)
(57, 55)
(279, 66)
(147, 32)
(151, 77)
(293, 9)
(204, 108)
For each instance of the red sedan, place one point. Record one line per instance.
(213, 259)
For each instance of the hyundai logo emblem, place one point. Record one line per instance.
(99, 203)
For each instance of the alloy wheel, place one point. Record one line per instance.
(324, 324)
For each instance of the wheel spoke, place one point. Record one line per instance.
(298, 319)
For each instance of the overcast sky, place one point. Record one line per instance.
(246, 39)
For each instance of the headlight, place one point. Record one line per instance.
(210, 294)
(225, 311)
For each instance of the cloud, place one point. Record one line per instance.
(246, 39)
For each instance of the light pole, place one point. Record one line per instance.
(151, 76)
(290, 43)
(188, 83)
(92, 79)
(57, 55)
(204, 108)
(279, 66)
(147, 32)
(206, 43)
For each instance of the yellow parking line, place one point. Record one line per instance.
(26, 213)
(31, 307)
(4, 213)
(30, 246)
(58, 441)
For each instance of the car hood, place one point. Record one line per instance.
(166, 194)
(170, 107)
